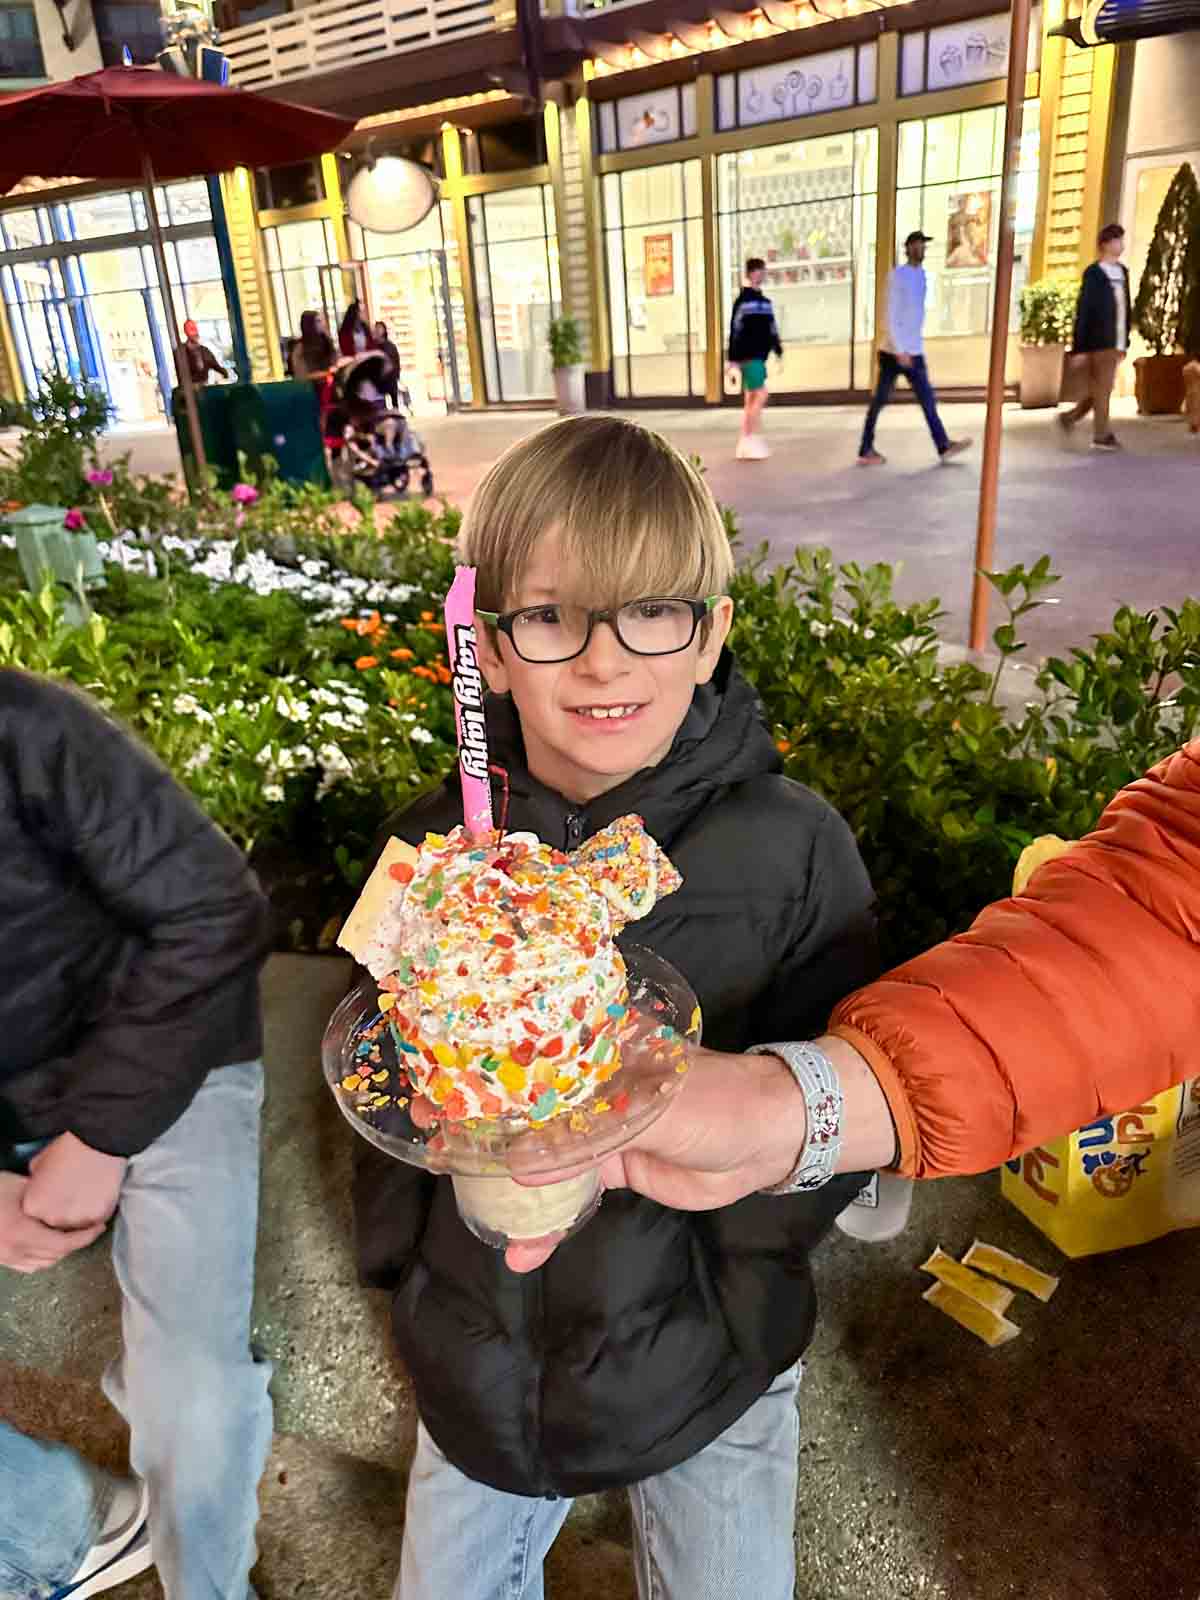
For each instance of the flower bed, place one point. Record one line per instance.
(283, 653)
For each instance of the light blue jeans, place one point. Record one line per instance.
(194, 1397)
(717, 1527)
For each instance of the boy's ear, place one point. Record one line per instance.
(719, 623)
(491, 661)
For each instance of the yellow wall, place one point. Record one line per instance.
(1077, 106)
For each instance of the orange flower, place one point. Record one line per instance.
(351, 623)
(783, 746)
(443, 674)
(401, 655)
(370, 625)
(435, 627)
(365, 662)
(427, 616)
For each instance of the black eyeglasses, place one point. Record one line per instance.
(656, 626)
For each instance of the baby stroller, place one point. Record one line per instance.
(368, 443)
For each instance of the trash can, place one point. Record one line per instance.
(46, 549)
(214, 404)
(282, 420)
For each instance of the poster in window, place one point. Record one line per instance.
(969, 230)
(658, 263)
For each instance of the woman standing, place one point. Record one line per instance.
(354, 336)
(391, 389)
(314, 353)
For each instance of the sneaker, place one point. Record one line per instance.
(955, 448)
(122, 1549)
(872, 458)
(1065, 421)
(1109, 442)
(752, 447)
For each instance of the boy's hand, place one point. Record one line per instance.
(27, 1245)
(73, 1186)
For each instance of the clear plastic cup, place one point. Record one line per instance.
(368, 1080)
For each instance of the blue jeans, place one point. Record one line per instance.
(194, 1397)
(717, 1527)
(918, 381)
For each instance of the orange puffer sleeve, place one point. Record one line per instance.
(1077, 999)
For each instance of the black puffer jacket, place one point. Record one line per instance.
(133, 930)
(651, 1330)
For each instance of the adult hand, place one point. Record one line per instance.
(27, 1245)
(73, 1186)
(735, 1127)
(904, 360)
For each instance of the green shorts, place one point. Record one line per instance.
(754, 375)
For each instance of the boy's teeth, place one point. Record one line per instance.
(606, 711)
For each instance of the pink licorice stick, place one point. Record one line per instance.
(467, 686)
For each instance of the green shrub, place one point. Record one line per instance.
(62, 423)
(566, 346)
(1048, 311)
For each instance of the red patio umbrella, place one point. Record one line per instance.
(140, 125)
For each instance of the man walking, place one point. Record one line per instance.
(753, 336)
(903, 352)
(1102, 321)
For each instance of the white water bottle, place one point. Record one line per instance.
(880, 1209)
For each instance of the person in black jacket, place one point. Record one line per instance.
(1103, 318)
(130, 1089)
(658, 1349)
(753, 336)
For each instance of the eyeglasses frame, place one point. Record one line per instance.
(700, 609)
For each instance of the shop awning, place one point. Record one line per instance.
(1123, 21)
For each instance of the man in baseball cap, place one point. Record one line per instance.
(200, 358)
(902, 352)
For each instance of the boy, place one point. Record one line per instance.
(657, 1350)
(753, 336)
(130, 1087)
(1103, 319)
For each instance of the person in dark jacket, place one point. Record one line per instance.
(383, 342)
(130, 1090)
(658, 1350)
(753, 336)
(199, 357)
(1103, 318)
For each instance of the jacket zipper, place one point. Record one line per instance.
(574, 826)
(536, 1312)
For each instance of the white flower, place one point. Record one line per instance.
(265, 756)
(324, 697)
(294, 710)
(356, 705)
(199, 757)
(421, 736)
(334, 759)
(186, 705)
(272, 793)
(336, 721)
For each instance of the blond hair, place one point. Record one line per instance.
(631, 516)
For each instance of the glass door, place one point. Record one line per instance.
(515, 246)
(655, 254)
(130, 341)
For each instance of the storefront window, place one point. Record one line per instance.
(86, 301)
(949, 186)
(654, 246)
(808, 209)
(414, 284)
(302, 266)
(517, 284)
(20, 46)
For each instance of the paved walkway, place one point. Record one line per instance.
(1061, 1467)
(1121, 529)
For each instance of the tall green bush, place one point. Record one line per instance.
(62, 421)
(1167, 296)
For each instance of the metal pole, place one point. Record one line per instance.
(985, 537)
(164, 283)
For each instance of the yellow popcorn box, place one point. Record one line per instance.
(1122, 1180)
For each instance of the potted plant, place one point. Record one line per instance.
(1165, 298)
(1047, 316)
(566, 356)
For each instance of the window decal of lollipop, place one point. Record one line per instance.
(501, 1025)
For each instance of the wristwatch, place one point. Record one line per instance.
(818, 1083)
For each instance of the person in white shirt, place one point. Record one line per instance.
(1102, 319)
(902, 353)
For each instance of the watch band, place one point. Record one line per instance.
(818, 1083)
